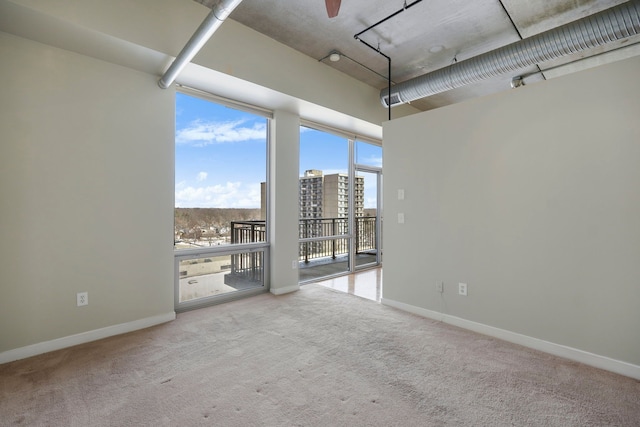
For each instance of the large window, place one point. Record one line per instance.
(220, 198)
(368, 159)
(221, 160)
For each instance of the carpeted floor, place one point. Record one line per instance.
(316, 357)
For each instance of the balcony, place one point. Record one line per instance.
(317, 258)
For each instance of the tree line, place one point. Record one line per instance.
(190, 222)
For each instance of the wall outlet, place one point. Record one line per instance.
(401, 194)
(400, 218)
(294, 264)
(440, 287)
(82, 298)
(462, 289)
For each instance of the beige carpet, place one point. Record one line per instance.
(316, 357)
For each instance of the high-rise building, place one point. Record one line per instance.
(324, 196)
(327, 196)
(310, 193)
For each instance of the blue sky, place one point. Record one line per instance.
(221, 154)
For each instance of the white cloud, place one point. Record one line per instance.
(202, 176)
(229, 195)
(202, 133)
(371, 202)
(374, 161)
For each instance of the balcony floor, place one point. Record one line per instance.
(316, 269)
(360, 284)
(366, 283)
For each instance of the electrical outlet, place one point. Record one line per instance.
(462, 289)
(294, 264)
(440, 287)
(82, 298)
(400, 218)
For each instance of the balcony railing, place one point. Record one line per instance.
(248, 231)
(365, 236)
(247, 267)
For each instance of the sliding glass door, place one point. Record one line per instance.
(340, 204)
(368, 226)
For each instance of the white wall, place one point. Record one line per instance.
(283, 209)
(531, 198)
(86, 167)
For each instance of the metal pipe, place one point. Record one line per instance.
(388, 66)
(215, 18)
(342, 55)
(389, 84)
(613, 24)
(357, 37)
(388, 17)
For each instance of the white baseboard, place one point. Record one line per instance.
(591, 359)
(286, 290)
(84, 337)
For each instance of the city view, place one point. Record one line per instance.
(323, 200)
(221, 157)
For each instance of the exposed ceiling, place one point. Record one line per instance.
(427, 36)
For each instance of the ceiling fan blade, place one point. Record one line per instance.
(333, 6)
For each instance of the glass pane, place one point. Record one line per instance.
(216, 275)
(368, 154)
(220, 171)
(323, 151)
(366, 224)
(323, 258)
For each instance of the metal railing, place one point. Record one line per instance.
(321, 230)
(248, 231)
(247, 266)
(365, 237)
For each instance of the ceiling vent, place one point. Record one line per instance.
(395, 99)
(613, 24)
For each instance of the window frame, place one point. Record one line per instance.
(231, 249)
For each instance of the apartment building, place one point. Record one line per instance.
(327, 196)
